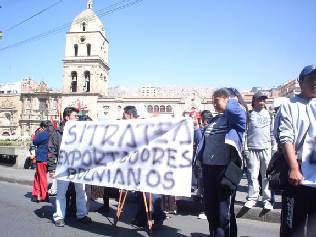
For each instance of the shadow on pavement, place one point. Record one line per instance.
(45, 212)
(242, 212)
(263, 212)
(107, 229)
(242, 188)
(198, 235)
(103, 224)
(28, 195)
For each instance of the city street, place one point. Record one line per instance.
(21, 217)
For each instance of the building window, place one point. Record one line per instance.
(84, 26)
(88, 49)
(76, 50)
(82, 39)
(156, 109)
(168, 109)
(149, 109)
(73, 81)
(86, 86)
(162, 108)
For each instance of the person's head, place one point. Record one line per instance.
(44, 125)
(70, 113)
(50, 127)
(220, 99)
(307, 81)
(206, 116)
(130, 112)
(259, 101)
(84, 118)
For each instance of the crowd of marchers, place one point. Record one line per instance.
(227, 144)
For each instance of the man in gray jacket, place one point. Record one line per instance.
(259, 138)
(295, 129)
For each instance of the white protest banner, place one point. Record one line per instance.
(149, 155)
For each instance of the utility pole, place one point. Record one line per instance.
(0, 30)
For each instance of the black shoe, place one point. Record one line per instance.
(139, 223)
(44, 200)
(85, 220)
(157, 224)
(60, 223)
(104, 210)
(34, 199)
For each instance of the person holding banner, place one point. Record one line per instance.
(140, 220)
(219, 149)
(70, 113)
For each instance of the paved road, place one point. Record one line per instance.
(21, 217)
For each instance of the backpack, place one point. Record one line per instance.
(277, 171)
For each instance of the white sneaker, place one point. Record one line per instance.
(202, 216)
(51, 192)
(268, 205)
(250, 204)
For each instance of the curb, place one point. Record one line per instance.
(258, 214)
(17, 181)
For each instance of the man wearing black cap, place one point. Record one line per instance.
(259, 138)
(296, 133)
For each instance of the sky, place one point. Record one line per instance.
(198, 43)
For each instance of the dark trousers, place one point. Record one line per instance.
(109, 192)
(169, 204)
(298, 210)
(219, 206)
(158, 214)
(71, 207)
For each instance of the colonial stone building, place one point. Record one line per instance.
(86, 76)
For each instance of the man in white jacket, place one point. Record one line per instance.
(296, 133)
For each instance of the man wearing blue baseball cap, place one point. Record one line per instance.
(295, 131)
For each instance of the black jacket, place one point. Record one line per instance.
(54, 146)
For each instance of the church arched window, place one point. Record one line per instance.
(168, 109)
(156, 108)
(76, 49)
(149, 108)
(88, 49)
(86, 86)
(162, 108)
(84, 25)
(73, 81)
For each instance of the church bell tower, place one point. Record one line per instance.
(86, 67)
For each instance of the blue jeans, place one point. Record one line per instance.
(62, 187)
(158, 214)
